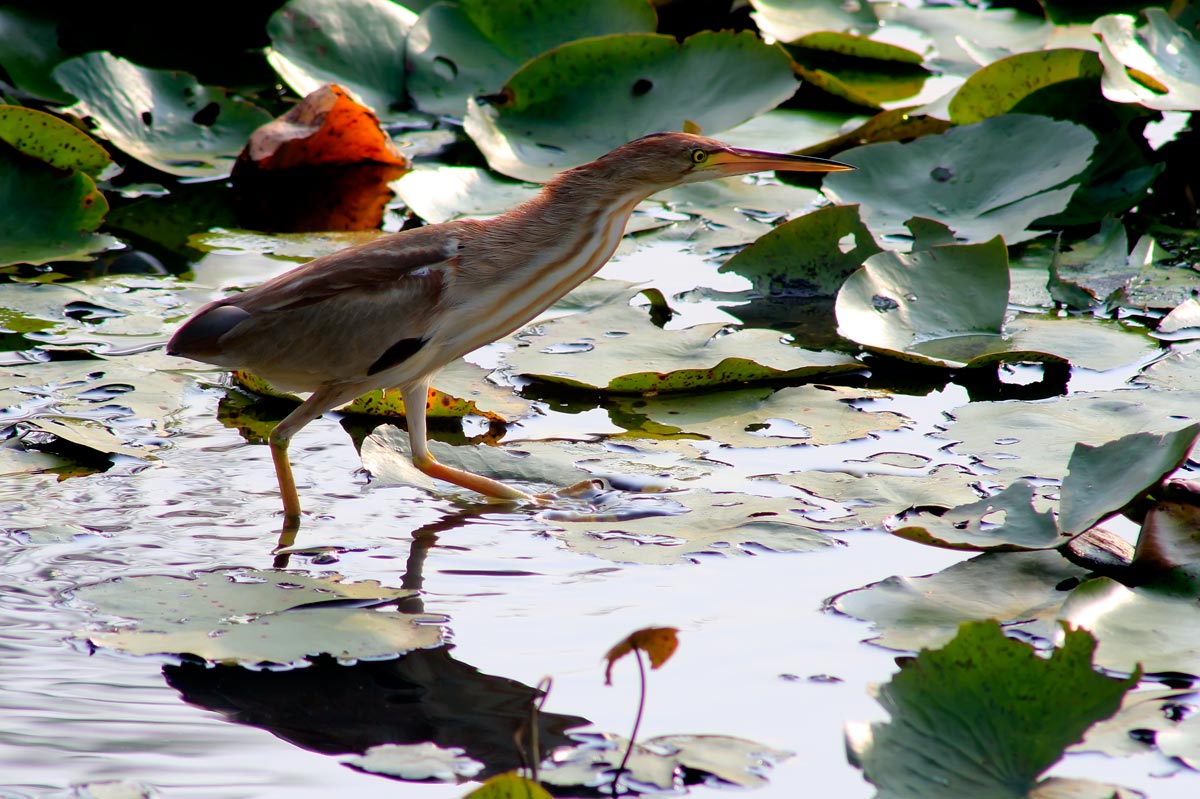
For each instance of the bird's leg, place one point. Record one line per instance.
(321, 400)
(416, 394)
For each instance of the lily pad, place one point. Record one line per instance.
(1156, 64)
(1004, 522)
(714, 524)
(945, 304)
(788, 20)
(245, 616)
(29, 50)
(47, 215)
(1037, 439)
(441, 193)
(358, 45)
(582, 99)
(160, 117)
(1124, 734)
(957, 179)
(1177, 371)
(998, 87)
(1102, 480)
(911, 613)
(814, 415)
(417, 762)
(1156, 630)
(660, 762)
(984, 716)
(597, 349)
(1095, 273)
(470, 47)
(47, 138)
(852, 502)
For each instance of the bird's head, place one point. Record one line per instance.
(670, 159)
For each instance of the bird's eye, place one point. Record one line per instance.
(699, 156)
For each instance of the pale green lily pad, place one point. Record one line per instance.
(386, 453)
(660, 762)
(1004, 522)
(46, 215)
(441, 193)
(358, 45)
(957, 179)
(808, 257)
(1182, 741)
(115, 789)
(1165, 56)
(470, 47)
(813, 414)
(582, 99)
(850, 502)
(715, 524)
(984, 716)
(598, 349)
(787, 129)
(1155, 630)
(1102, 480)
(298, 246)
(161, 117)
(246, 616)
(971, 35)
(1037, 439)
(1160, 283)
(417, 762)
(788, 20)
(1095, 273)
(1000, 85)
(1095, 344)
(945, 304)
(911, 613)
(1178, 371)
(1183, 319)
(1154, 710)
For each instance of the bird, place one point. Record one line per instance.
(389, 313)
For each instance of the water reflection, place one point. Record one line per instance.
(424, 696)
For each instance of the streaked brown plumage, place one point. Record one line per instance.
(390, 313)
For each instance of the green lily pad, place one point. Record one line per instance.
(53, 140)
(1016, 588)
(47, 215)
(459, 50)
(1179, 371)
(417, 762)
(999, 86)
(441, 193)
(1094, 273)
(661, 761)
(1161, 282)
(808, 257)
(1102, 480)
(957, 179)
(785, 130)
(714, 524)
(29, 51)
(1156, 630)
(582, 99)
(358, 45)
(971, 35)
(1154, 710)
(850, 502)
(813, 414)
(1037, 439)
(788, 20)
(1004, 522)
(298, 246)
(246, 616)
(161, 117)
(597, 349)
(945, 304)
(984, 716)
(1156, 64)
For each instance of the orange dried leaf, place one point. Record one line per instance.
(659, 643)
(326, 128)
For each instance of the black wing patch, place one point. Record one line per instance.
(397, 354)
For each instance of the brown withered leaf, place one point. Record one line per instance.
(659, 643)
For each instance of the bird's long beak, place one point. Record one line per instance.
(736, 161)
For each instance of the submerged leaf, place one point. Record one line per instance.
(984, 716)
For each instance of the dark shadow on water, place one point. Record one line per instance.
(424, 696)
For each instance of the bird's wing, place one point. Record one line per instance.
(341, 317)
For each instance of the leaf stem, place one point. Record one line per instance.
(637, 720)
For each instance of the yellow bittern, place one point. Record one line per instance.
(391, 312)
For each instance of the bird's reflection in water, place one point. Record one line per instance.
(424, 696)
